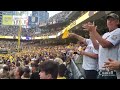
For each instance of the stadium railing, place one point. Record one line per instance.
(76, 73)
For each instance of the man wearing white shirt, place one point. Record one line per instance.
(90, 57)
(108, 44)
(114, 64)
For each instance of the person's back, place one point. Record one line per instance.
(26, 74)
(62, 72)
(35, 75)
(35, 71)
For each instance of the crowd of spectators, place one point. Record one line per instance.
(33, 60)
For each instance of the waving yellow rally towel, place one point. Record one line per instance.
(65, 34)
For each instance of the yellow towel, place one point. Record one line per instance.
(65, 34)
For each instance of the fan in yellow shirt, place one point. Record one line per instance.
(11, 58)
(61, 77)
(61, 71)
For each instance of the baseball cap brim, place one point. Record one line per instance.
(113, 15)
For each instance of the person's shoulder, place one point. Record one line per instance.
(117, 30)
(36, 73)
(87, 40)
(106, 34)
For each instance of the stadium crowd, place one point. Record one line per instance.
(33, 60)
(96, 57)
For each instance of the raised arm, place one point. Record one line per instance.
(80, 38)
(92, 29)
(94, 41)
(92, 55)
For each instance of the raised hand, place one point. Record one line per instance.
(89, 26)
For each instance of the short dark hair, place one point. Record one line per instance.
(50, 67)
(34, 65)
(62, 69)
(17, 64)
(26, 62)
(26, 72)
(20, 70)
(13, 63)
(26, 69)
(6, 68)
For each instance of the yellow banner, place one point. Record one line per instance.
(79, 20)
(85, 16)
(9, 37)
(2, 36)
(7, 20)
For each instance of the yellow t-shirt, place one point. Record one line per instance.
(61, 77)
(11, 59)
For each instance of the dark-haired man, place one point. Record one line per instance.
(48, 70)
